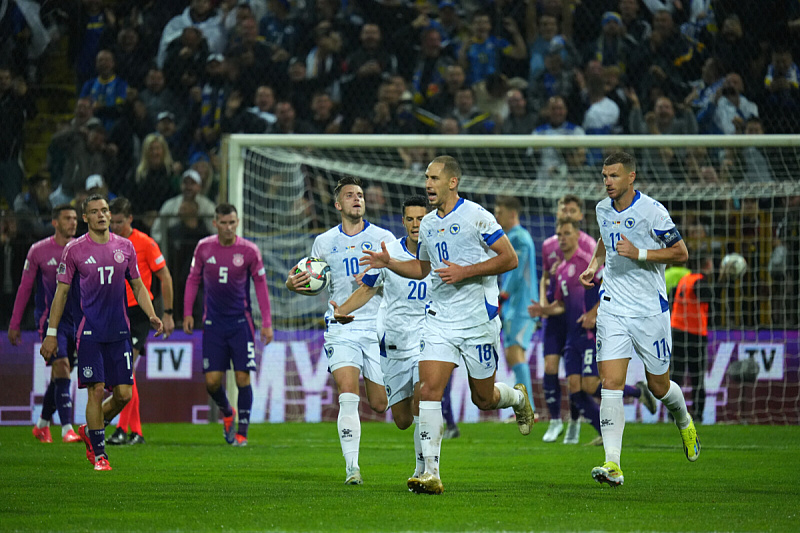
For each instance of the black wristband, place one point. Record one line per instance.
(168, 311)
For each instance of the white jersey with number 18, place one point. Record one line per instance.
(634, 288)
(463, 237)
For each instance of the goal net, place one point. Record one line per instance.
(727, 194)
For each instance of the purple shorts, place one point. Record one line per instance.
(580, 357)
(555, 334)
(66, 344)
(226, 342)
(110, 363)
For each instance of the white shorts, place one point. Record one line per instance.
(650, 337)
(400, 373)
(359, 348)
(477, 346)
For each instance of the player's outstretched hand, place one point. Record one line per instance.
(49, 347)
(588, 319)
(587, 278)
(535, 309)
(298, 282)
(339, 317)
(452, 273)
(267, 334)
(375, 259)
(169, 325)
(14, 337)
(626, 249)
(360, 276)
(157, 325)
(188, 324)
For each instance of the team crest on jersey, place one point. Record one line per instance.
(571, 271)
(62, 268)
(388, 390)
(328, 351)
(629, 222)
(599, 345)
(454, 229)
(335, 250)
(119, 257)
(366, 246)
(238, 260)
(87, 372)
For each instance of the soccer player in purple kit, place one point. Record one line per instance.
(555, 327)
(100, 262)
(225, 263)
(40, 269)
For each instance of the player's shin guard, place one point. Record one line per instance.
(552, 395)
(674, 401)
(221, 399)
(63, 401)
(522, 374)
(430, 434)
(49, 401)
(612, 423)
(245, 404)
(418, 450)
(349, 425)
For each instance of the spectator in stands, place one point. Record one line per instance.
(444, 102)
(255, 59)
(91, 29)
(729, 109)
(543, 34)
(177, 140)
(451, 25)
(107, 91)
(149, 19)
(153, 182)
(264, 107)
(83, 112)
(470, 118)
(201, 162)
(602, 113)
(551, 160)
(157, 97)
(324, 119)
(57, 157)
(520, 120)
(16, 106)
(300, 87)
(131, 59)
(279, 28)
(323, 62)
(490, 96)
(237, 119)
(126, 138)
(362, 125)
(85, 152)
(191, 186)
(287, 121)
(201, 15)
(212, 103)
(183, 237)
(14, 246)
(553, 80)
(185, 61)
(735, 50)
(33, 208)
(95, 184)
(428, 77)
(365, 69)
(705, 89)
(482, 54)
(450, 126)
(782, 85)
(636, 28)
(749, 164)
(611, 48)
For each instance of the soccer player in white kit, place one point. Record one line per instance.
(466, 249)
(352, 348)
(637, 240)
(400, 320)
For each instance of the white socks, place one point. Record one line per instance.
(612, 423)
(431, 428)
(674, 401)
(509, 397)
(41, 423)
(418, 450)
(66, 428)
(349, 424)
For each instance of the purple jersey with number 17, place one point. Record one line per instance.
(226, 273)
(101, 271)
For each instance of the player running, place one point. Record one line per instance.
(352, 349)
(637, 240)
(225, 263)
(41, 266)
(400, 319)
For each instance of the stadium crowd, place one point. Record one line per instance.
(158, 83)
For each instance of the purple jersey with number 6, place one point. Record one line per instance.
(101, 271)
(568, 289)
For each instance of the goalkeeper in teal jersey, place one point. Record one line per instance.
(518, 288)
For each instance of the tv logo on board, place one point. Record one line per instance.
(169, 360)
(769, 357)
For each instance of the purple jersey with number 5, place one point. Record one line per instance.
(101, 271)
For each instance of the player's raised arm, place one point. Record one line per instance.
(677, 254)
(50, 343)
(143, 299)
(598, 258)
(505, 260)
(414, 268)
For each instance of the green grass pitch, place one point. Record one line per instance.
(290, 478)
